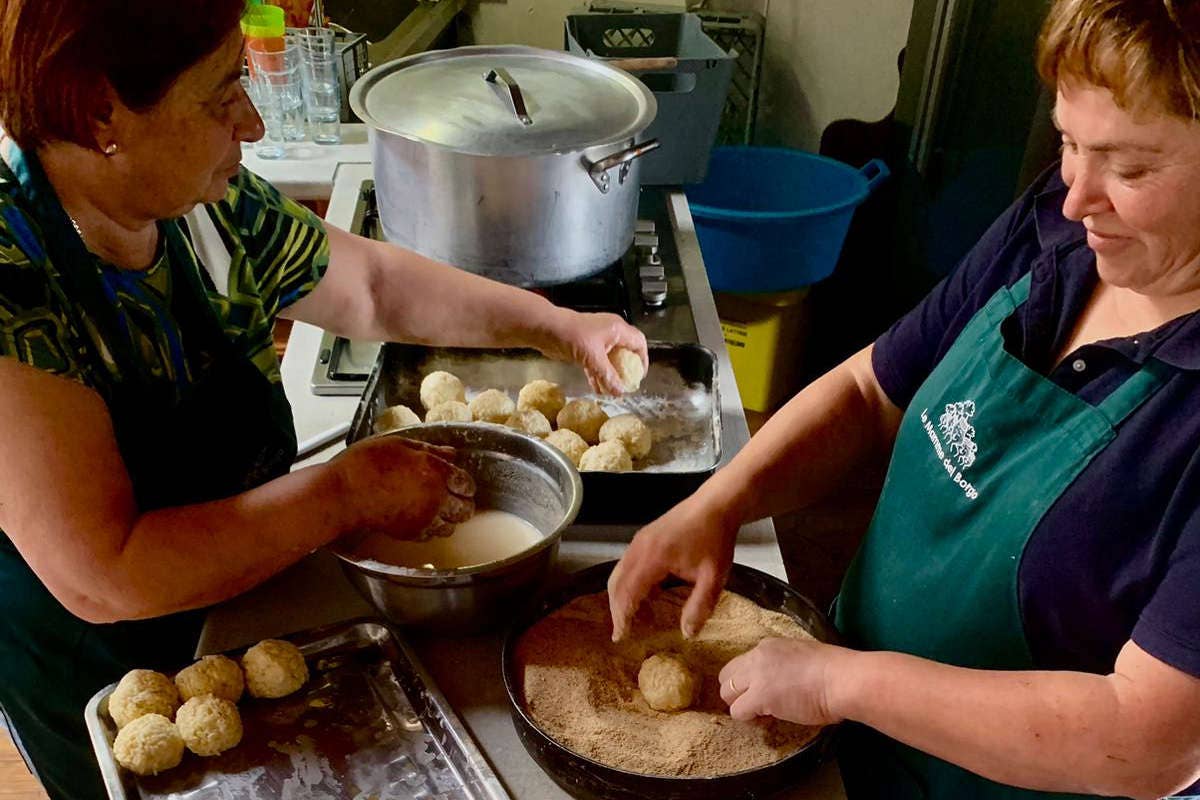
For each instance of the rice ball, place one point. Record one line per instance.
(148, 745)
(274, 668)
(492, 405)
(630, 431)
(569, 442)
(450, 411)
(216, 675)
(629, 368)
(541, 395)
(530, 421)
(209, 725)
(142, 692)
(441, 387)
(667, 683)
(608, 456)
(395, 417)
(584, 417)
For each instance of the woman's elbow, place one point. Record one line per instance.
(96, 610)
(1157, 775)
(103, 602)
(1167, 783)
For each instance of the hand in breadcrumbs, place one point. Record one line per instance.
(691, 541)
(789, 679)
(404, 489)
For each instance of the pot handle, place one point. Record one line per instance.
(514, 91)
(598, 170)
(644, 64)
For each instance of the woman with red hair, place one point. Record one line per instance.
(144, 463)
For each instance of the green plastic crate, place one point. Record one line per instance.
(740, 33)
(690, 95)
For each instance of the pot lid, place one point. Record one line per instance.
(463, 99)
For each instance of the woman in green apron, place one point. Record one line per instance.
(145, 456)
(1022, 618)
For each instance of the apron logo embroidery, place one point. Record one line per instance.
(955, 424)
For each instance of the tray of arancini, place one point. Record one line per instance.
(678, 401)
(368, 722)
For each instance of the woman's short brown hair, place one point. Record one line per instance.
(56, 57)
(1146, 52)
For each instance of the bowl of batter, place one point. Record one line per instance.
(526, 494)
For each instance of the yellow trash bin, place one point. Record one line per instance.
(764, 334)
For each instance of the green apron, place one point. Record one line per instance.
(230, 430)
(985, 448)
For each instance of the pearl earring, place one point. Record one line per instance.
(111, 149)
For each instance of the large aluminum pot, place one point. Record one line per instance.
(513, 472)
(512, 162)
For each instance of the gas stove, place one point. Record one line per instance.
(646, 287)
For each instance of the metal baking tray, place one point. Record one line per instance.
(678, 400)
(368, 724)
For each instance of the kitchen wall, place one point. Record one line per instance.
(824, 59)
(827, 60)
(538, 23)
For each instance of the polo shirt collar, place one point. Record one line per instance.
(1176, 343)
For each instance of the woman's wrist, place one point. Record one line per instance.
(848, 679)
(726, 499)
(547, 328)
(332, 490)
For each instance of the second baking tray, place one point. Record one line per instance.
(369, 723)
(678, 399)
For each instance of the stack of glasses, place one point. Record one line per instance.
(322, 85)
(293, 80)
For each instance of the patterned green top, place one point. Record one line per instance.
(276, 249)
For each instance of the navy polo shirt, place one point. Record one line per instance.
(1117, 555)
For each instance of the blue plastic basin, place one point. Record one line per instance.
(772, 219)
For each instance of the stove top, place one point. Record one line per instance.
(646, 287)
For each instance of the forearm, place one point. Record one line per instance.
(813, 444)
(185, 557)
(1051, 731)
(413, 297)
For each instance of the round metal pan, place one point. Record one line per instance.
(587, 779)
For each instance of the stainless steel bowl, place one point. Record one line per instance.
(513, 472)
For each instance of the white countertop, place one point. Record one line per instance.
(467, 670)
(307, 170)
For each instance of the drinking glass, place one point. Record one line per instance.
(270, 146)
(322, 85)
(276, 69)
